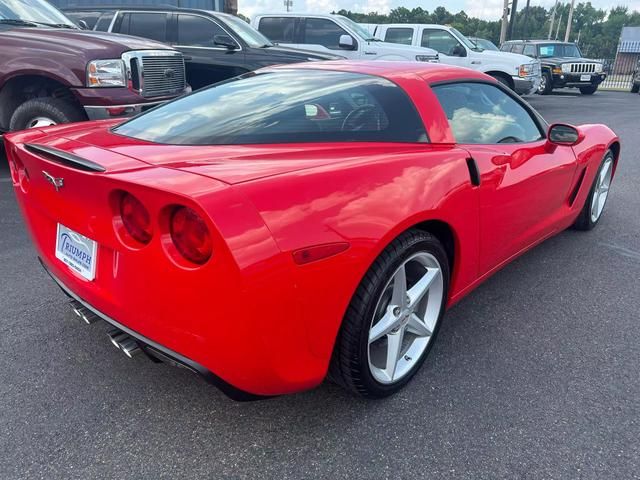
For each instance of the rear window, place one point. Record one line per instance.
(284, 107)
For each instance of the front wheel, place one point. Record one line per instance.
(635, 88)
(546, 84)
(393, 318)
(45, 112)
(589, 90)
(594, 204)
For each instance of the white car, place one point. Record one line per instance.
(518, 72)
(331, 33)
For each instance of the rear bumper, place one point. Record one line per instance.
(159, 351)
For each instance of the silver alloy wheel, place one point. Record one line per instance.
(405, 317)
(41, 122)
(601, 191)
(542, 86)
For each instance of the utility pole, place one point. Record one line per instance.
(525, 28)
(505, 16)
(553, 18)
(288, 4)
(558, 30)
(569, 20)
(512, 20)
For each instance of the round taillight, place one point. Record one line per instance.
(135, 218)
(190, 235)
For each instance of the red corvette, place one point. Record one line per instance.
(303, 221)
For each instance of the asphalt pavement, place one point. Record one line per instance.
(535, 375)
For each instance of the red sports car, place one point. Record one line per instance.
(303, 221)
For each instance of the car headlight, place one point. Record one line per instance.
(566, 68)
(106, 73)
(526, 70)
(598, 68)
(428, 58)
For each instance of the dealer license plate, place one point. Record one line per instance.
(585, 78)
(76, 251)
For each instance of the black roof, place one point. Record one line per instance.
(141, 8)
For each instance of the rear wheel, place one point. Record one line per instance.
(393, 318)
(588, 90)
(594, 204)
(546, 84)
(44, 112)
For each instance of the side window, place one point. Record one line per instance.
(194, 31)
(89, 17)
(506, 47)
(278, 29)
(146, 25)
(440, 40)
(530, 50)
(320, 31)
(517, 48)
(399, 35)
(480, 113)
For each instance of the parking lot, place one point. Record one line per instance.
(534, 375)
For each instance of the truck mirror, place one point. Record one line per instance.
(225, 41)
(346, 42)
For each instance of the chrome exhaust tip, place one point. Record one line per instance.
(84, 313)
(122, 341)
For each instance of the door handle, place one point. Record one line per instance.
(476, 62)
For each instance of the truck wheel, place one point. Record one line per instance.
(503, 80)
(546, 84)
(635, 88)
(590, 90)
(44, 112)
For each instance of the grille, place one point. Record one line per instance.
(162, 75)
(583, 67)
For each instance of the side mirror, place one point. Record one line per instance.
(561, 134)
(459, 51)
(346, 42)
(83, 25)
(225, 41)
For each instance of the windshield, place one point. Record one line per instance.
(250, 35)
(359, 29)
(548, 50)
(486, 44)
(289, 106)
(37, 11)
(468, 43)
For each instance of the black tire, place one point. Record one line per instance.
(589, 90)
(635, 88)
(584, 221)
(546, 85)
(503, 80)
(56, 109)
(350, 363)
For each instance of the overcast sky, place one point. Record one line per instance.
(487, 9)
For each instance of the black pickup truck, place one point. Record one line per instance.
(562, 65)
(216, 46)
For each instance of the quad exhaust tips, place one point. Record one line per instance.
(123, 341)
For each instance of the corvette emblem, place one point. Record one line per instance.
(57, 182)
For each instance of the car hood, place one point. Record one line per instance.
(300, 55)
(403, 49)
(94, 44)
(514, 58)
(561, 60)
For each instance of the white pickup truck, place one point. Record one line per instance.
(334, 34)
(518, 72)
